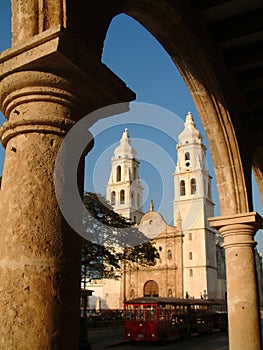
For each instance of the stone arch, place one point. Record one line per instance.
(190, 48)
(151, 289)
(180, 39)
(198, 65)
(258, 169)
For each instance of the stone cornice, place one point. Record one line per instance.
(57, 51)
(51, 81)
(251, 218)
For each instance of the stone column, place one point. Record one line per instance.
(242, 291)
(46, 86)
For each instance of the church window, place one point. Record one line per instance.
(113, 198)
(160, 249)
(190, 236)
(190, 255)
(170, 293)
(182, 188)
(187, 159)
(191, 273)
(193, 186)
(169, 254)
(118, 174)
(122, 197)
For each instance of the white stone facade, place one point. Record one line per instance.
(193, 203)
(106, 294)
(124, 190)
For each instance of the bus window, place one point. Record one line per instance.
(151, 313)
(161, 313)
(129, 312)
(140, 313)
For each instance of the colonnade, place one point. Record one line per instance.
(48, 82)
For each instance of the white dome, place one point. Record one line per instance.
(190, 134)
(125, 150)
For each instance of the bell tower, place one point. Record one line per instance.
(124, 190)
(193, 204)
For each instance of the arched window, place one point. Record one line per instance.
(118, 173)
(190, 256)
(191, 272)
(193, 186)
(122, 197)
(187, 159)
(190, 236)
(113, 198)
(151, 289)
(170, 293)
(169, 254)
(182, 188)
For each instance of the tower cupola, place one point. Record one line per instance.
(193, 206)
(190, 134)
(124, 189)
(125, 150)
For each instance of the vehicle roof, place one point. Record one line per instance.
(178, 301)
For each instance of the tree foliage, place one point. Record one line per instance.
(111, 238)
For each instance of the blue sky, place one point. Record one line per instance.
(156, 117)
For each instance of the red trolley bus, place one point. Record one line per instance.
(157, 319)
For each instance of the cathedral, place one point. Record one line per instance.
(192, 261)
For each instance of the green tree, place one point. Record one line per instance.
(111, 238)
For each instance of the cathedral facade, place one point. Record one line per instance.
(191, 262)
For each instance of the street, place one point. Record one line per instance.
(113, 339)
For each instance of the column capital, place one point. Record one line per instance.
(251, 218)
(239, 229)
(51, 81)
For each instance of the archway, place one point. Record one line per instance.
(199, 63)
(206, 89)
(212, 98)
(151, 289)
